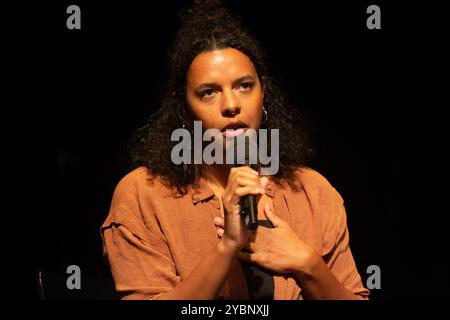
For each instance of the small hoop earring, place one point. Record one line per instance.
(265, 115)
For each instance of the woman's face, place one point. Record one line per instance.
(223, 89)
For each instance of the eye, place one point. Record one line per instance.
(246, 86)
(206, 93)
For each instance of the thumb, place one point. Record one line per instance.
(272, 217)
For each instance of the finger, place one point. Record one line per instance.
(248, 169)
(247, 174)
(244, 181)
(240, 181)
(219, 222)
(249, 257)
(243, 191)
(272, 217)
(250, 245)
(243, 176)
(220, 232)
(238, 170)
(263, 181)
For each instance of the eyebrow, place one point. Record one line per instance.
(215, 85)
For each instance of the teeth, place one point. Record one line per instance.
(233, 132)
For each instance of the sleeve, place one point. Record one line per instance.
(139, 257)
(340, 259)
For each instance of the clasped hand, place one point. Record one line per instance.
(278, 249)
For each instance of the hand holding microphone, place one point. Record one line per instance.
(242, 181)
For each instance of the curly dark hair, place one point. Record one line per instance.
(206, 26)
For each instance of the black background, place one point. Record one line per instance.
(75, 96)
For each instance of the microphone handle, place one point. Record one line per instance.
(249, 211)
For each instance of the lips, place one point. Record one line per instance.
(234, 129)
(233, 133)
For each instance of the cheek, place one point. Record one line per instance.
(196, 110)
(255, 104)
(257, 99)
(206, 115)
(202, 113)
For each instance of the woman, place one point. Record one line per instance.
(174, 231)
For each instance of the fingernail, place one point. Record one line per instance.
(264, 181)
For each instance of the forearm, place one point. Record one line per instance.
(206, 280)
(319, 283)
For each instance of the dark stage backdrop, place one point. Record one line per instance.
(370, 95)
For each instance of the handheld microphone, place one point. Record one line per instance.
(249, 211)
(248, 203)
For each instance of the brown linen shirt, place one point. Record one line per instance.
(153, 240)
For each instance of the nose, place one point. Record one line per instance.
(230, 106)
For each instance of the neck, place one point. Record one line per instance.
(217, 175)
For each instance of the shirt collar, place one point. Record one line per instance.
(201, 191)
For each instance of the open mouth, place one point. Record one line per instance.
(234, 129)
(234, 132)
